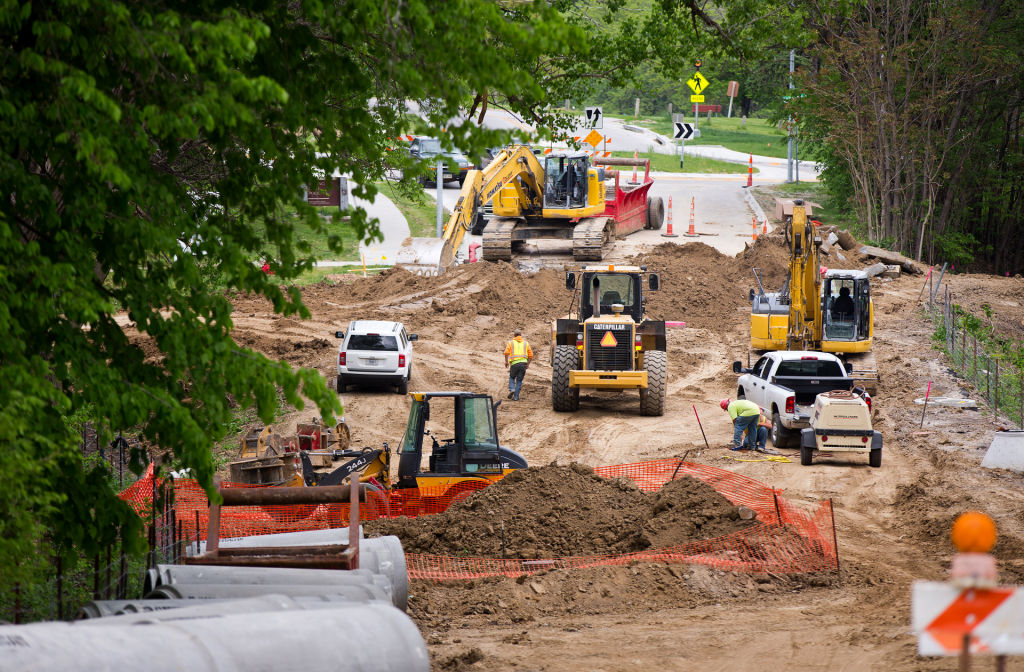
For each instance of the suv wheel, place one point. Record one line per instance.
(342, 385)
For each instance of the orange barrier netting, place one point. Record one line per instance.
(786, 538)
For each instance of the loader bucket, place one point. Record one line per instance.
(421, 256)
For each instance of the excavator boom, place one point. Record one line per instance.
(431, 256)
(805, 285)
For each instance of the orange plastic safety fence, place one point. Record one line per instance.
(786, 539)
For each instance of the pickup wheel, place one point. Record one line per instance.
(781, 437)
(875, 457)
(564, 397)
(652, 398)
(805, 455)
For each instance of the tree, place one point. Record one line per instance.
(143, 142)
(915, 105)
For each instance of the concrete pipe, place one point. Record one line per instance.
(222, 574)
(338, 535)
(379, 591)
(107, 608)
(148, 611)
(381, 555)
(396, 580)
(366, 637)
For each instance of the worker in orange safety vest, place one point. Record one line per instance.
(764, 427)
(518, 356)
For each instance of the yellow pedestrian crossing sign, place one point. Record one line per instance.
(697, 82)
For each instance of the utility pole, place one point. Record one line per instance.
(789, 148)
(439, 179)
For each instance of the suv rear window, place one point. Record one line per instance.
(814, 368)
(373, 342)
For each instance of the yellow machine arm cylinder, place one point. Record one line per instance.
(804, 284)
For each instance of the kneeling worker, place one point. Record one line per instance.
(744, 414)
(764, 428)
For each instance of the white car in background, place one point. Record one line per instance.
(375, 352)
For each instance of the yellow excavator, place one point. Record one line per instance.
(828, 311)
(565, 198)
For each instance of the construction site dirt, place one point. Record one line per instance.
(892, 523)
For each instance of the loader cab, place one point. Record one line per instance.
(472, 452)
(624, 289)
(566, 176)
(846, 305)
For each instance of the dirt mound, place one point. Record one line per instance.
(553, 511)
(699, 283)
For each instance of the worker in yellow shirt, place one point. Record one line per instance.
(744, 414)
(518, 356)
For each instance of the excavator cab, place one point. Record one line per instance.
(472, 454)
(846, 307)
(566, 180)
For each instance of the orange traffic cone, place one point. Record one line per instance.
(764, 229)
(753, 222)
(636, 155)
(691, 231)
(668, 229)
(750, 172)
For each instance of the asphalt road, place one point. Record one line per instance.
(721, 213)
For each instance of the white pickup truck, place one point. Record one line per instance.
(784, 384)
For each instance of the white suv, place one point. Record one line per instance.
(375, 352)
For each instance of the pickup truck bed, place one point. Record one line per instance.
(785, 384)
(806, 389)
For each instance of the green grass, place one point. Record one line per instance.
(419, 210)
(830, 212)
(320, 273)
(755, 136)
(317, 241)
(667, 163)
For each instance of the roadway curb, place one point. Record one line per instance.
(754, 205)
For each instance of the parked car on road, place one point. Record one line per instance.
(375, 352)
(457, 165)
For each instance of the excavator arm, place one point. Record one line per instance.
(805, 327)
(431, 256)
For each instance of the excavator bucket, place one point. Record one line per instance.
(422, 256)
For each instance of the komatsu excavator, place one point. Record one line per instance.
(565, 198)
(830, 311)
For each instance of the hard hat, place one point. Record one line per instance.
(724, 404)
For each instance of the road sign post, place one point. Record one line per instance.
(734, 88)
(681, 131)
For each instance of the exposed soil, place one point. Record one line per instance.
(555, 512)
(893, 522)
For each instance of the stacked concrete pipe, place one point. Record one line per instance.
(347, 637)
(379, 555)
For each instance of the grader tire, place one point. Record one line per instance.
(652, 399)
(563, 397)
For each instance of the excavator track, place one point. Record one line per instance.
(497, 240)
(589, 237)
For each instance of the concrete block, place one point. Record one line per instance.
(784, 207)
(1006, 451)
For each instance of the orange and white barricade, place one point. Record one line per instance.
(988, 620)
